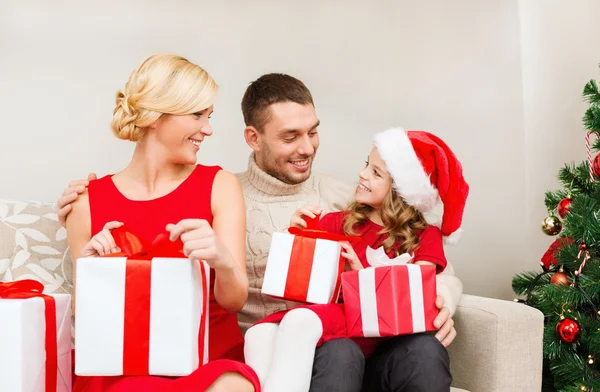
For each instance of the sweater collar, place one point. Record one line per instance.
(268, 184)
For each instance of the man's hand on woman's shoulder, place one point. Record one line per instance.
(69, 195)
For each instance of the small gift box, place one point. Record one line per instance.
(305, 265)
(36, 332)
(141, 312)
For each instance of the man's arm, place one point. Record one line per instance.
(450, 288)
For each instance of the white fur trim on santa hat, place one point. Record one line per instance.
(453, 238)
(410, 179)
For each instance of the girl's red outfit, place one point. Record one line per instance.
(147, 219)
(332, 315)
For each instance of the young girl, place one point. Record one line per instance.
(405, 176)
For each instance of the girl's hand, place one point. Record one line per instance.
(298, 220)
(103, 242)
(351, 257)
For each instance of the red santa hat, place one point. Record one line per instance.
(425, 171)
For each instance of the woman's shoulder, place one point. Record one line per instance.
(225, 179)
(226, 190)
(79, 217)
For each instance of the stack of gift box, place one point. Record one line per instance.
(390, 298)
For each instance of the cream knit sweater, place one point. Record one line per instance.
(270, 204)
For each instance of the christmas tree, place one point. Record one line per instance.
(567, 290)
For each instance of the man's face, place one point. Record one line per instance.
(288, 142)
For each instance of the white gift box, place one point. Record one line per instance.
(303, 269)
(23, 353)
(179, 297)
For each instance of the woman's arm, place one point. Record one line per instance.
(229, 224)
(79, 233)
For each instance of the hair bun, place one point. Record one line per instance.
(124, 118)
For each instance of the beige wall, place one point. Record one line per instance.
(559, 52)
(499, 80)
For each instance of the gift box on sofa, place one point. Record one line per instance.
(36, 334)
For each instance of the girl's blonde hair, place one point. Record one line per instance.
(399, 222)
(162, 84)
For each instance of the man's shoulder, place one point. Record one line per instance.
(324, 180)
(334, 194)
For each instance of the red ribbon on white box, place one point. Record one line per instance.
(305, 265)
(143, 310)
(29, 288)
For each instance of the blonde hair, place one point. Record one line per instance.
(162, 84)
(399, 222)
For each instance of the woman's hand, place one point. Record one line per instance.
(200, 242)
(351, 257)
(103, 242)
(298, 218)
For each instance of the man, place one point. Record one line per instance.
(281, 128)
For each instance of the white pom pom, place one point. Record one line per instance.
(453, 238)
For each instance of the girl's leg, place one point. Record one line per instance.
(258, 348)
(294, 353)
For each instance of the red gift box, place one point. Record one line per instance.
(390, 301)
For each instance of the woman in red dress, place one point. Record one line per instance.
(165, 109)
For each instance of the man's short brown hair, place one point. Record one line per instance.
(267, 90)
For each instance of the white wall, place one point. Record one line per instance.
(469, 71)
(559, 55)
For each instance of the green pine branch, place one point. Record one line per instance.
(591, 94)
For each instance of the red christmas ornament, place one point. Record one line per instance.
(564, 206)
(559, 277)
(549, 257)
(583, 246)
(568, 330)
(596, 165)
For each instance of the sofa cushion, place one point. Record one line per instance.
(33, 245)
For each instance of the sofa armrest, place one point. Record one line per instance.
(498, 347)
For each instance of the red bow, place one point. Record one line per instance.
(133, 246)
(302, 258)
(313, 231)
(29, 288)
(138, 270)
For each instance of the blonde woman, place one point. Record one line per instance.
(165, 109)
(403, 177)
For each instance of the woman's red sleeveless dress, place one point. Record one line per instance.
(191, 199)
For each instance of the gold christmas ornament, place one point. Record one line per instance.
(551, 225)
